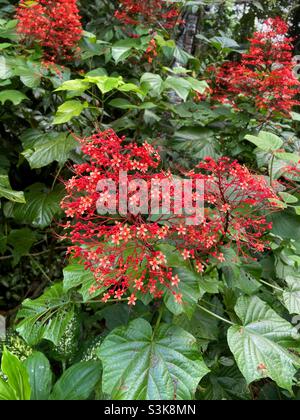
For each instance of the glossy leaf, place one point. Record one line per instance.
(145, 365)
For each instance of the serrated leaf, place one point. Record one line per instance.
(258, 343)
(41, 149)
(46, 317)
(141, 365)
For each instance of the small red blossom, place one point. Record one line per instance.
(132, 300)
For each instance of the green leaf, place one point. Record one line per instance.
(291, 296)
(40, 376)
(286, 225)
(18, 379)
(78, 382)
(288, 198)
(106, 84)
(46, 317)
(74, 85)
(181, 86)
(21, 240)
(6, 392)
(5, 70)
(69, 110)
(13, 96)
(41, 149)
(125, 104)
(121, 50)
(192, 286)
(41, 206)
(265, 141)
(295, 116)
(197, 85)
(7, 192)
(290, 157)
(75, 275)
(224, 42)
(129, 87)
(258, 343)
(153, 82)
(140, 364)
(224, 383)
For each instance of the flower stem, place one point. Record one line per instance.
(215, 315)
(272, 285)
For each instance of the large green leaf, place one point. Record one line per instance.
(181, 86)
(140, 364)
(40, 376)
(266, 141)
(14, 96)
(7, 192)
(225, 383)
(286, 224)
(291, 295)
(41, 149)
(42, 204)
(18, 379)
(78, 382)
(258, 344)
(46, 317)
(153, 82)
(69, 110)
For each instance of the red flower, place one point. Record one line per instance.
(123, 250)
(148, 13)
(265, 74)
(53, 24)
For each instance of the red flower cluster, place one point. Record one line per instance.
(53, 24)
(126, 252)
(151, 51)
(148, 13)
(265, 74)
